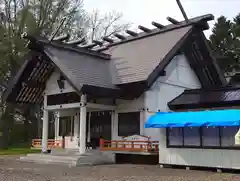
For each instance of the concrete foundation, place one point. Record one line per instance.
(71, 158)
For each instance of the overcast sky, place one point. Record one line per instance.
(145, 11)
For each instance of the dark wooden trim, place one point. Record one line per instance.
(33, 84)
(133, 90)
(201, 133)
(193, 21)
(170, 103)
(220, 137)
(183, 136)
(100, 91)
(223, 88)
(217, 68)
(206, 147)
(167, 136)
(194, 62)
(198, 56)
(38, 43)
(15, 85)
(211, 105)
(216, 104)
(64, 98)
(15, 80)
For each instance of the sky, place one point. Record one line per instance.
(143, 12)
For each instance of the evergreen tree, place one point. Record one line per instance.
(225, 42)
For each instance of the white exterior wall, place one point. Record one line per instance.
(179, 76)
(165, 89)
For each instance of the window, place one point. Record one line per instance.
(175, 136)
(210, 136)
(128, 124)
(228, 136)
(204, 137)
(191, 136)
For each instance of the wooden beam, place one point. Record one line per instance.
(147, 30)
(77, 42)
(63, 106)
(132, 33)
(182, 10)
(100, 106)
(62, 38)
(172, 20)
(101, 49)
(100, 43)
(33, 84)
(158, 25)
(107, 39)
(89, 46)
(121, 37)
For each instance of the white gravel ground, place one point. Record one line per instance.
(12, 170)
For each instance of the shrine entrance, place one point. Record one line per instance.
(100, 127)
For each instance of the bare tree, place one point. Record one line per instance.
(100, 25)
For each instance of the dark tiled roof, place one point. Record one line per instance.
(134, 61)
(137, 59)
(81, 69)
(198, 98)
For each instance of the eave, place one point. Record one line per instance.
(222, 97)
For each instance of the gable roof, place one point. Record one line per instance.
(199, 98)
(125, 69)
(84, 73)
(135, 61)
(81, 69)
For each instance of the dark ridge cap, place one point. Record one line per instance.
(155, 31)
(59, 44)
(170, 27)
(77, 49)
(225, 88)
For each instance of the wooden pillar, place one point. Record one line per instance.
(83, 120)
(89, 128)
(56, 122)
(45, 127)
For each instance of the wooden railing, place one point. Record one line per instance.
(37, 143)
(129, 146)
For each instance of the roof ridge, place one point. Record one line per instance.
(166, 28)
(71, 47)
(79, 49)
(90, 49)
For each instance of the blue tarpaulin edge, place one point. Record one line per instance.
(228, 117)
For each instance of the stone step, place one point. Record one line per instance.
(48, 161)
(90, 158)
(55, 157)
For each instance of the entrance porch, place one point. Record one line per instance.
(85, 125)
(77, 125)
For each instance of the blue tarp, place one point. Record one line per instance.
(194, 119)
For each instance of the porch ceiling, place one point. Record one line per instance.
(29, 84)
